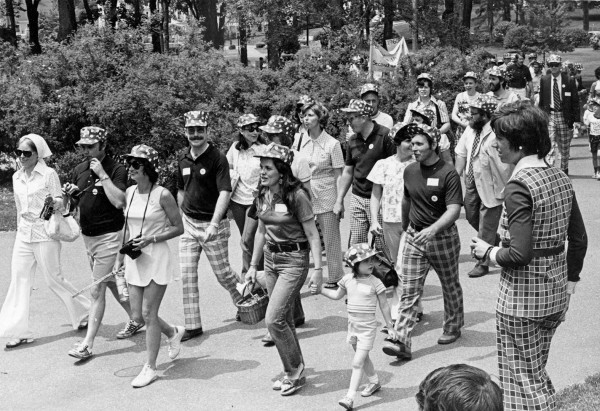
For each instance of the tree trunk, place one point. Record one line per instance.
(89, 15)
(448, 9)
(112, 13)
(137, 13)
(12, 25)
(221, 25)
(415, 28)
(165, 24)
(243, 39)
(506, 10)
(388, 21)
(466, 13)
(521, 12)
(272, 49)
(337, 21)
(155, 29)
(490, 16)
(207, 10)
(67, 24)
(34, 25)
(585, 6)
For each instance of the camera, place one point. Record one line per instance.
(48, 208)
(128, 249)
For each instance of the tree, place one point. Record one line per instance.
(11, 32)
(585, 7)
(67, 23)
(388, 20)
(33, 17)
(466, 13)
(205, 11)
(155, 27)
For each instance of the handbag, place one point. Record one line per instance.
(62, 227)
(384, 269)
(253, 307)
(128, 247)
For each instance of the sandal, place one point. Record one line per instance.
(18, 341)
(289, 387)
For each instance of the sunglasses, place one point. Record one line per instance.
(251, 128)
(134, 164)
(553, 64)
(23, 153)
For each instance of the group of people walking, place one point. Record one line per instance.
(284, 184)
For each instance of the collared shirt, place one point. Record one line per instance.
(437, 106)
(283, 225)
(324, 156)
(389, 173)
(30, 194)
(559, 81)
(519, 75)
(248, 168)
(97, 214)
(362, 154)
(202, 179)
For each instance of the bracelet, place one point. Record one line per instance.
(104, 178)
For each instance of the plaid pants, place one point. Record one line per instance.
(560, 136)
(191, 244)
(330, 227)
(360, 209)
(523, 345)
(441, 254)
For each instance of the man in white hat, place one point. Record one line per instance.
(559, 98)
(203, 192)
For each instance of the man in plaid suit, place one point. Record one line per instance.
(560, 99)
(203, 192)
(430, 207)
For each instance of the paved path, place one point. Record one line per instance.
(228, 368)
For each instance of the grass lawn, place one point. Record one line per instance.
(8, 211)
(581, 397)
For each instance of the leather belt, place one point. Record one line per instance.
(287, 247)
(548, 252)
(417, 228)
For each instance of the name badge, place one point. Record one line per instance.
(567, 94)
(281, 208)
(433, 182)
(364, 288)
(185, 171)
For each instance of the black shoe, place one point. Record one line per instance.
(268, 340)
(238, 317)
(449, 337)
(189, 334)
(419, 317)
(479, 271)
(397, 349)
(299, 322)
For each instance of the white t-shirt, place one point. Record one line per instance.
(389, 173)
(383, 119)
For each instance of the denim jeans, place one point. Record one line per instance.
(285, 276)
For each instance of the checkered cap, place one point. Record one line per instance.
(247, 119)
(359, 106)
(412, 129)
(278, 152)
(196, 118)
(304, 100)
(470, 74)
(92, 135)
(497, 72)
(357, 253)
(144, 151)
(425, 76)
(554, 58)
(486, 103)
(278, 124)
(368, 88)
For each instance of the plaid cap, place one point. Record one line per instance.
(144, 151)
(497, 72)
(92, 135)
(278, 124)
(359, 106)
(247, 119)
(470, 74)
(196, 118)
(304, 100)
(368, 88)
(554, 58)
(425, 76)
(412, 129)
(357, 253)
(486, 103)
(278, 152)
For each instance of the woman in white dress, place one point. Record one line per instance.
(152, 218)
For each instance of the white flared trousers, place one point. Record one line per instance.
(26, 258)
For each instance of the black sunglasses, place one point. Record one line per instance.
(134, 164)
(251, 128)
(553, 64)
(24, 153)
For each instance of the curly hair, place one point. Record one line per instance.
(320, 111)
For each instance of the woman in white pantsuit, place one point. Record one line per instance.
(33, 249)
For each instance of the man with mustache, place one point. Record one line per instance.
(203, 192)
(497, 87)
(485, 175)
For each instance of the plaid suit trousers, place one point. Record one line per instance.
(191, 244)
(360, 210)
(523, 345)
(414, 263)
(560, 136)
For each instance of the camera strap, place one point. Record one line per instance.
(143, 218)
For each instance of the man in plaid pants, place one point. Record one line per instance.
(369, 144)
(203, 191)
(560, 99)
(430, 207)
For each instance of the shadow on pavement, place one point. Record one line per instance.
(321, 326)
(203, 368)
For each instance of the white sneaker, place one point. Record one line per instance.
(145, 377)
(597, 175)
(174, 344)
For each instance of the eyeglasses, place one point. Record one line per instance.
(23, 153)
(134, 164)
(251, 128)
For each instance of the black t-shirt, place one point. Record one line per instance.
(363, 154)
(97, 214)
(518, 75)
(201, 180)
(430, 190)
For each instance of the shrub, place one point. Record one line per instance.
(519, 37)
(501, 29)
(576, 37)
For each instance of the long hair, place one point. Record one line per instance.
(242, 143)
(290, 186)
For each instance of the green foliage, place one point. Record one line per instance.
(520, 37)
(501, 29)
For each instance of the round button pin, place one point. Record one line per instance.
(95, 191)
(434, 198)
(371, 146)
(202, 171)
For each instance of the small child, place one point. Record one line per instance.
(364, 292)
(592, 121)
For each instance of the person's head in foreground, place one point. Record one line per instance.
(459, 387)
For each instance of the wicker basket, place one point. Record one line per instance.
(253, 307)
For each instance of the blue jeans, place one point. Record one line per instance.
(285, 276)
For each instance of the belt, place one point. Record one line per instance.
(548, 252)
(287, 247)
(417, 228)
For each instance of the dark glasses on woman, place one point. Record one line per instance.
(134, 164)
(251, 128)
(23, 153)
